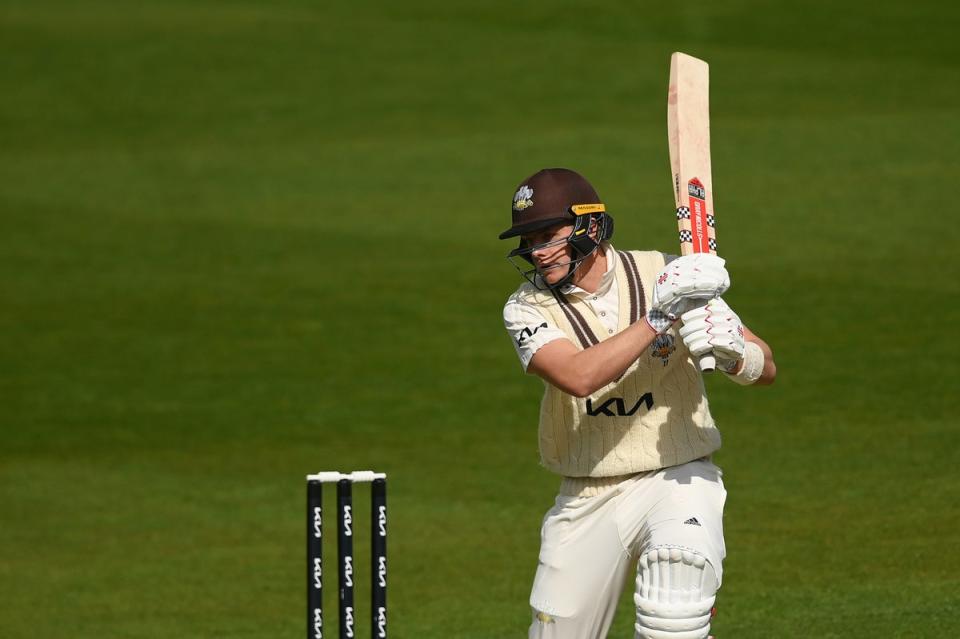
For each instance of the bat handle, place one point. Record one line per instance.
(708, 363)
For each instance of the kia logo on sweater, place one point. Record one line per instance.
(619, 406)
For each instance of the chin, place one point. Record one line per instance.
(552, 277)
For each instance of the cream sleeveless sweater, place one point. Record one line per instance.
(656, 415)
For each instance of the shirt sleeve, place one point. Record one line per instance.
(528, 329)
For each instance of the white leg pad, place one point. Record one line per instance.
(676, 590)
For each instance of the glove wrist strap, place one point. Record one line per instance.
(658, 321)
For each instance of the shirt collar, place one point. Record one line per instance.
(605, 280)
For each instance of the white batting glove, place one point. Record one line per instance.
(687, 282)
(714, 328)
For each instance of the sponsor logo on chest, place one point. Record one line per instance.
(619, 407)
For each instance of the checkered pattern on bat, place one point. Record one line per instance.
(687, 236)
(683, 213)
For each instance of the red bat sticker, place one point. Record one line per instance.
(698, 216)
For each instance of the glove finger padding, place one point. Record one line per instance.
(699, 343)
(713, 327)
(693, 321)
(727, 330)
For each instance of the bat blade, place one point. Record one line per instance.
(688, 127)
(688, 131)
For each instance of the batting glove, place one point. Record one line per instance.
(687, 282)
(714, 328)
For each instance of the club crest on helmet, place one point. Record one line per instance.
(523, 198)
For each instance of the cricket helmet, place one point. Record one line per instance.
(553, 197)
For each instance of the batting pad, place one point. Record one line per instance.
(676, 590)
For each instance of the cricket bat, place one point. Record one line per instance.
(688, 130)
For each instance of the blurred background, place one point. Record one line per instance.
(244, 241)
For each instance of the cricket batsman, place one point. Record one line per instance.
(624, 420)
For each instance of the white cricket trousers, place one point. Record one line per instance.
(588, 544)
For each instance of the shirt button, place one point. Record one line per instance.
(603, 313)
(610, 330)
(594, 299)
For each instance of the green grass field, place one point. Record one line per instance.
(243, 241)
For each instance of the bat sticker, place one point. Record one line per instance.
(698, 215)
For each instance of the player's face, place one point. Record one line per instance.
(552, 253)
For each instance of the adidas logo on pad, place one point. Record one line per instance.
(692, 521)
